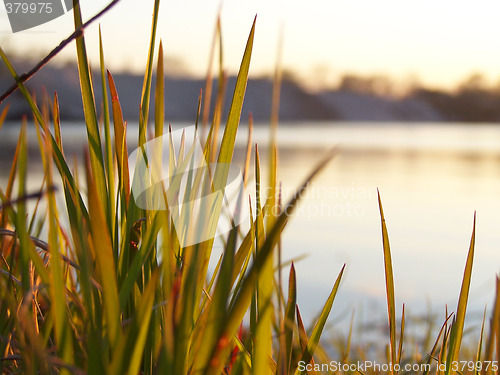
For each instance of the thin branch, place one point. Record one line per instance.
(77, 33)
(11, 276)
(42, 245)
(26, 197)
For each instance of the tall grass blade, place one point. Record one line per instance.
(289, 321)
(34, 108)
(347, 351)
(20, 219)
(159, 94)
(131, 349)
(233, 119)
(89, 110)
(108, 149)
(120, 128)
(220, 178)
(389, 285)
(480, 345)
(57, 122)
(105, 265)
(303, 339)
(432, 353)
(401, 336)
(313, 341)
(209, 81)
(457, 327)
(146, 87)
(134, 269)
(12, 177)
(494, 328)
(57, 277)
(265, 283)
(241, 302)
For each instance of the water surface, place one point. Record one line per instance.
(431, 177)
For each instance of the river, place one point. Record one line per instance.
(431, 177)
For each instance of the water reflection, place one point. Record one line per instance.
(429, 197)
(432, 177)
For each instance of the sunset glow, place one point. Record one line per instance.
(435, 43)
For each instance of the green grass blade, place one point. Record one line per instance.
(73, 196)
(233, 119)
(57, 122)
(303, 339)
(431, 355)
(103, 250)
(389, 285)
(120, 128)
(264, 297)
(494, 327)
(458, 324)
(159, 94)
(245, 249)
(89, 110)
(313, 341)
(190, 292)
(108, 149)
(144, 315)
(480, 345)
(219, 100)
(209, 80)
(347, 351)
(217, 309)
(20, 220)
(12, 176)
(240, 305)
(146, 88)
(34, 108)
(57, 277)
(401, 335)
(289, 318)
(129, 358)
(241, 264)
(144, 251)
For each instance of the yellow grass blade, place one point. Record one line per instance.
(458, 324)
(243, 299)
(159, 94)
(103, 250)
(108, 149)
(89, 109)
(389, 284)
(313, 341)
(120, 142)
(494, 332)
(146, 87)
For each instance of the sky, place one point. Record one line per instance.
(437, 43)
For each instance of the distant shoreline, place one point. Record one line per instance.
(346, 103)
(402, 140)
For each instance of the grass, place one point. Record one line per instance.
(112, 290)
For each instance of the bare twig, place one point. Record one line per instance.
(77, 33)
(42, 245)
(11, 276)
(26, 197)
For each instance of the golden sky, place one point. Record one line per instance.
(439, 42)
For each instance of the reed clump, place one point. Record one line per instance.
(117, 289)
